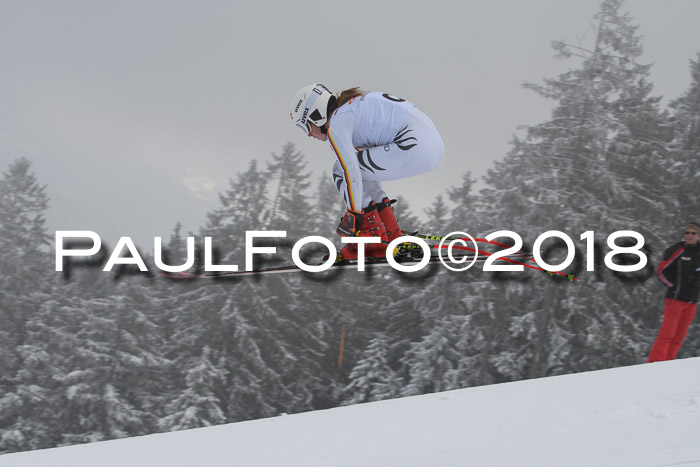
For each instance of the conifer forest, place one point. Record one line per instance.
(88, 356)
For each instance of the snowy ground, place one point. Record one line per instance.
(646, 415)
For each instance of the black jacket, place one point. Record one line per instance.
(679, 270)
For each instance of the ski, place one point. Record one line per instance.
(338, 265)
(508, 259)
(403, 256)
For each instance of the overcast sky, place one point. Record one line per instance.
(137, 113)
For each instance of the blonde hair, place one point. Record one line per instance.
(348, 94)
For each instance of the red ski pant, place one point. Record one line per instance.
(677, 318)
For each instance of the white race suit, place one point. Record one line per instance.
(378, 137)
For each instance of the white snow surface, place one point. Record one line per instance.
(645, 415)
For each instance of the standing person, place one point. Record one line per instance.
(375, 137)
(679, 270)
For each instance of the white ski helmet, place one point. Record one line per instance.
(310, 104)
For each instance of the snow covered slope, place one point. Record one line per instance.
(647, 415)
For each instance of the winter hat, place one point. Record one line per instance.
(693, 225)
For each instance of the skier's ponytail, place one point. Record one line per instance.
(348, 94)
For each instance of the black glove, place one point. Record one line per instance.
(350, 224)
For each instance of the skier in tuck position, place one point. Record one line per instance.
(376, 137)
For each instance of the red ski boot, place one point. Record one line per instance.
(386, 214)
(364, 224)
